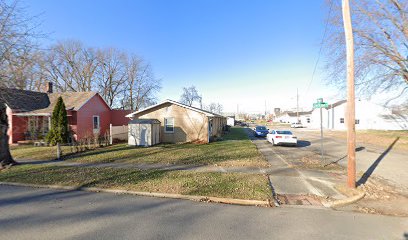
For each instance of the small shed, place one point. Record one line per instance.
(144, 132)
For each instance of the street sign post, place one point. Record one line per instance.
(320, 104)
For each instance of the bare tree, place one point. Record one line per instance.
(71, 66)
(111, 73)
(142, 85)
(214, 108)
(190, 95)
(381, 46)
(16, 40)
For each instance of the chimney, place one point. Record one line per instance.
(49, 87)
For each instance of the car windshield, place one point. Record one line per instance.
(260, 128)
(284, 132)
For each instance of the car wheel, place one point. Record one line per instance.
(273, 143)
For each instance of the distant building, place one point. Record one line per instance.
(231, 121)
(292, 117)
(368, 116)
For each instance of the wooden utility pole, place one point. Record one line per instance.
(351, 128)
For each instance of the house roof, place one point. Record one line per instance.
(338, 103)
(144, 121)
(72, 100)
(23, 100)
(39, 103)
(207, 113)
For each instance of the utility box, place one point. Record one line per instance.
(144, 132)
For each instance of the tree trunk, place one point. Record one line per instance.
(5, 157)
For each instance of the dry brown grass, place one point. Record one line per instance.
(377, 137)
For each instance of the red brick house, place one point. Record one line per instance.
(29, 113)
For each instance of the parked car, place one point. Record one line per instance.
(282, 137)
(296, 125)
(244, 124)
(261, 131)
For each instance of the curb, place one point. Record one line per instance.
(344, 202)
(233, 201)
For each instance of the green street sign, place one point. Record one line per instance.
(320, 105)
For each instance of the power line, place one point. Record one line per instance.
(321, 47)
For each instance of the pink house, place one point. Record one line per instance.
(29, 113)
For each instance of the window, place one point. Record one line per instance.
(45, 126)
(308, 120)
(284, 132)
(96, 122)
(169, 125)
(357, 121)
(341, 120)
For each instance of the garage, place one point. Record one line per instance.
(144, 132)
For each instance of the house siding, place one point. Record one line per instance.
(96, 106)
(118, 117)
(370, 116)
(189, 125)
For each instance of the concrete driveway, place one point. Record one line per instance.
(30, 213)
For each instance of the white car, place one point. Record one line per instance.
(281, 137)
(296, 125)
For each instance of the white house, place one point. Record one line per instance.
(292, 117)
(231, 121)
(368, 116)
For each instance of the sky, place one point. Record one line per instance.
(243, 54)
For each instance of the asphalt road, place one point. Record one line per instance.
(386, 163)
(30, 213)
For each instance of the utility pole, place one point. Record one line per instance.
(297, 104)
(321, 134)
(265, 109)
(351, 128)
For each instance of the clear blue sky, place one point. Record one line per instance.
(234, 51)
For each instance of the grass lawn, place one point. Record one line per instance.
(235, 150)
(377, 137)
(229, 185)
(36, 153)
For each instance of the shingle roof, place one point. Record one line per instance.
(23, 100)
(144, 121)
(72, 100)
(38, 102)
(207, 113)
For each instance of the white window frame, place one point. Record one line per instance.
(93, 122)
(165, 124)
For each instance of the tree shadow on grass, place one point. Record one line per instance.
(373, 166)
